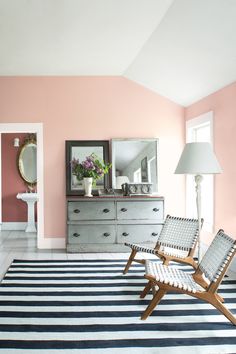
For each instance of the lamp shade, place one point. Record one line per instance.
(120, 180)
(198, 159)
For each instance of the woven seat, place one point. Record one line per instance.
(202, 284)
(172, 276)
(176, 242)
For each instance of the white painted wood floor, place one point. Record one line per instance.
(22, 245)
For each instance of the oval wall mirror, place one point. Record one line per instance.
(27, 160)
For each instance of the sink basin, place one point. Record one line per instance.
(27, 196)
(30, 199)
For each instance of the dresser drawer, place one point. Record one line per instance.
(138, 233)
(91, 211)
(91, 234)
(152, 210)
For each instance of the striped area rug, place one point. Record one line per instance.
(88, 306)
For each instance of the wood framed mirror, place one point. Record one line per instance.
(135, 161)
(80, 149)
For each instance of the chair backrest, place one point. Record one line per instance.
(179, 233)
(218, 256)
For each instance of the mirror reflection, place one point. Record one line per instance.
(27, 160)
(81, 152)
(134, 161)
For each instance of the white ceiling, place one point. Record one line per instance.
(181, 49)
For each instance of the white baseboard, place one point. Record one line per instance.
(13, 226)
(43, 243)
(52, 243)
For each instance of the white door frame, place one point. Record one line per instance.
(38, 129)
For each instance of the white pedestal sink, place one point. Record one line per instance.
(30, 199)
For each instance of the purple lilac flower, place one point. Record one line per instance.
(89, 159)
(88, 165)
(99, 171)
(74, 163)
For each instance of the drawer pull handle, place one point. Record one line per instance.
(106, 210)
(124, 210)
(76, 211)
(155, 209)
(125, 234)
(106, 234)
(76, 235)
(154, 234)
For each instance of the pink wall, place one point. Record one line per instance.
(89, 108)
(222, 103)
(13, 210)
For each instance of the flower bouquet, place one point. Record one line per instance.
(92, 167)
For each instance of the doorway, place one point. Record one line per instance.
(36, 128)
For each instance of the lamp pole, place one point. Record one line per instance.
(198, 181)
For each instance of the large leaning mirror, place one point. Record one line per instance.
(80, 149)
(27, 160)
(134, 161)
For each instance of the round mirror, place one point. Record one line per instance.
(27, 161)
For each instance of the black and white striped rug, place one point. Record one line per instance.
(88, 306)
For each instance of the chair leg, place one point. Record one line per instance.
(166, 261)
(146, 290)
(130, 260)
(220, 298)
(156, 299)
(218, 304)
(154, 291)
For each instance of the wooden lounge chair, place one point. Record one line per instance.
(202, 284)
(176, 242)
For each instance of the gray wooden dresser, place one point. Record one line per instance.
(103, 224)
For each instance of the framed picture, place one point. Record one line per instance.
(80, 149)
(144, 170)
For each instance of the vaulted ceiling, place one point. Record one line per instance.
(181, 49)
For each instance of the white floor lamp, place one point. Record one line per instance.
(198, 159)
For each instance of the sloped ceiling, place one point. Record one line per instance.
(181, 49)
(192, 52)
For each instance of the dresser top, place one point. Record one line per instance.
(115, 198)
